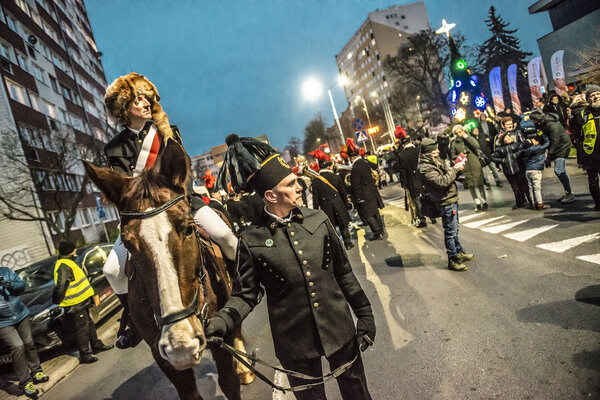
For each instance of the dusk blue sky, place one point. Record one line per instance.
(238, 66)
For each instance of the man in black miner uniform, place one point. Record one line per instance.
(409, 177)
(366, 196)
(294, 253)
(329, 195)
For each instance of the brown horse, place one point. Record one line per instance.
(177, 278)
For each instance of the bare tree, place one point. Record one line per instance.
(587, 67)
(45, 173)
(294, 146)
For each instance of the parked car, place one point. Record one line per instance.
(45, 316)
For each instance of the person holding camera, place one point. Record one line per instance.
(473, 172)
(439, 183)
(15, 332)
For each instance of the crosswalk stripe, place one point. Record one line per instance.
(397, 203)
(469, 217)
(393, 199)
(522, 236)
(564, 245)
(482, 222)
(593, 258)
(503, 227)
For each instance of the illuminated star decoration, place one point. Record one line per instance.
(445, 28)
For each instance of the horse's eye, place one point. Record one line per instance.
(189, 230)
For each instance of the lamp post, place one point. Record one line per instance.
(388, 114)
(312, 88)
(368, 119)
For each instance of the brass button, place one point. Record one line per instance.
(296, 243)
(315, 304)
(313, 294)
(300, 252)
(270, 269)
(327, 244)
(289, 224)
(308, 273)
(131, 166)
(291, 233)
(311, 284)
(304, 262)
(282, 280)
(264, 264)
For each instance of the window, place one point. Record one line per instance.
(66, 92)
(17, 92)
(50, 109)
(36, 17)
(11, 22)
(6, 51)
(63, 116)
(48, 29)
(90, 108)
(34, 100)
(84, 217)
(23, 5)
(22, 61)
(39, 73)
(53, 83)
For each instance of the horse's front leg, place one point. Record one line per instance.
(245, 375)
(184, 381)
(228, 379)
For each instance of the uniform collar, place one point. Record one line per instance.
(273, 221)
(145, 128)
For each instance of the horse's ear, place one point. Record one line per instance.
(110, 182)
(175, 164)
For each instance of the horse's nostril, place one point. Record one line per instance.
(201, 342)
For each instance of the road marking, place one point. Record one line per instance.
(400, 337)
(482, 222)
(503, 227)
(397, 203)
(522, 236)
(564, 245)
(593, 258)
(394, 199)
(469, 217)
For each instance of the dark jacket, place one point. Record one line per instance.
(438, 180)
(308, 281)
(123, 150)
(560, 144)
(12, 308)
(364, 192)
(443, 142)
(409, 177)
(588, 146)
(327, 197)
(535, 156)
(560, 110)
(473, 171)
(508, 156)
(491, 133)
(485, 143)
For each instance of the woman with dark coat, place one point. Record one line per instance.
(473, 172)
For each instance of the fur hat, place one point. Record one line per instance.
(126, 88)
(65, 248)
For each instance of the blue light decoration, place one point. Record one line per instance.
(458, 84)
(453, 111)
(479, 101)
(472, 83)
(453, 96)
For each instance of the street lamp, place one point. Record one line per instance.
(388, 114)
(312, 90)
(368, 118)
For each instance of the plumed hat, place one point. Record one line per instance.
(324, 159)
(65, 248)
(126, 88)
(249, 163)
(361, 152)
(352, 149)
(209, 180)
(400, 133)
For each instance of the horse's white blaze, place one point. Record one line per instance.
(178, 343)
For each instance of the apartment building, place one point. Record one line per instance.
(51, 97)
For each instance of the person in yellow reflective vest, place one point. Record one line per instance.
(74, 293)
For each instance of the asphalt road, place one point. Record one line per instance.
(522, 322)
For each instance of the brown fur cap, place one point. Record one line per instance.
(126, 88)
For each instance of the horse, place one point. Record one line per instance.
(177, 276)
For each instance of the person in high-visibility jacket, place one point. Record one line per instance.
(74, 292)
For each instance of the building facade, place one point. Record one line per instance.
(52, 95)
(576, 30)
(360, 61)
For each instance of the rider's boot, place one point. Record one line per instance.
(127, 335)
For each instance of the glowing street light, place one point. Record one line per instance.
(312, 90)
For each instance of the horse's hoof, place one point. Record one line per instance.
(246, 378)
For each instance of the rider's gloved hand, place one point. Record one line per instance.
(365, 327)
(216, 327)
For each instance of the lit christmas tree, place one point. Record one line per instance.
(467, 100)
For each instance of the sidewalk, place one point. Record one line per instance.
(58, 367)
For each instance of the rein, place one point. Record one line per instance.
(192, 308)
(316, 380)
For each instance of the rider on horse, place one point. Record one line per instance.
(134, 100)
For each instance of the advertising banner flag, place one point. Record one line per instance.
(496, 88)
(534, 73)
(558, 72)
(512, 86)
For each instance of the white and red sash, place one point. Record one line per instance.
(149, 150)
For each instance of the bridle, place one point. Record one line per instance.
(192, 308)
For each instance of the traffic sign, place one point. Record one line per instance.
(358, 124)
(361, 136)
(101, 212)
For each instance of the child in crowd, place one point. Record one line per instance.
(535, 156)
(507, 154)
